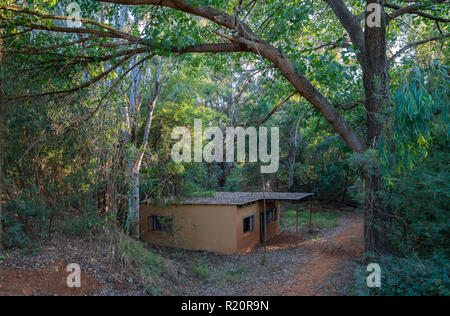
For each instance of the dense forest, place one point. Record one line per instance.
(91, 92)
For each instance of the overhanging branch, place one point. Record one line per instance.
(412, 9)
(409, 46)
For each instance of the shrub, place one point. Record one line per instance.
(420, 202)
(407, 277)
(17, 213)
(77, 226)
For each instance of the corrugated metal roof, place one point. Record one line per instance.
(242, 198)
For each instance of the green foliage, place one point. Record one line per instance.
(327, 168)
(201, 271)
(14, 234)
(332, 179)
(421, 222)
(406, 277)
(201, 194)
(420, 202)
(91, 223)
(319, 219)
(17, 213)
(421, 108)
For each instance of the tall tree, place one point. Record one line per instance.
(140, 150)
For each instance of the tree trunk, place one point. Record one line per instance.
(135, 202)
(294, 141)
(222, 180)
(377, 217)
(136, 169)
(1, 143)
(376, 85)
(291, 162)
(1, 181)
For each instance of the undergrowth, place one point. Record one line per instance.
(158, 275)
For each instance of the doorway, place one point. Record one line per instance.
(262, 226)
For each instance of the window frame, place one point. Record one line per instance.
(251, 224)
(273, 211)
(154, 221)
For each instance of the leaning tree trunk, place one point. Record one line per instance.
(376, 85)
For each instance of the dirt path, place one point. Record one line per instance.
(322, 264)
(330, 268)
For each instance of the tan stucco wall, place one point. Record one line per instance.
(273, 228)
(196, 227)
(246, 242)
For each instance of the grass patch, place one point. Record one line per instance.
(73, 226)
(319, 220)
(201, 271)
(233, 275)
(199, 267)
(157, 273)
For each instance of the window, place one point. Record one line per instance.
(249, 224)
(161, 224)
(271, 215)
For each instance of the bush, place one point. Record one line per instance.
(16, 215)
(419, 201)
(407, 277)
(421, 207)
(77, 226)
(331, 180)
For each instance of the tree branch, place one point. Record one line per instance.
(210, 13)
(245, 40)
(412, 9)
(78, 88)
(409, 46)
(352, 25)
(57, 17)
(276, 109)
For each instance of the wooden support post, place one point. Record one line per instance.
(264, 220)
(296, 231)
(310, 216)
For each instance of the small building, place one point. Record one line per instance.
(227, 223)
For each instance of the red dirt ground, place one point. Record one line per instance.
(328, 257)
(49, 281)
